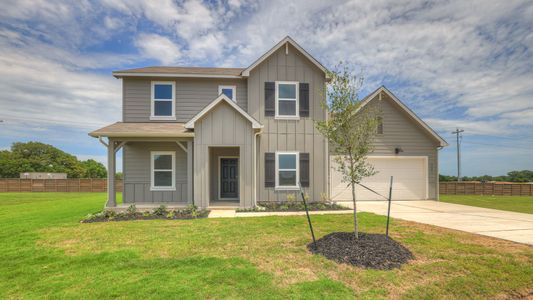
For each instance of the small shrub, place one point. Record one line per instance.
(171, 214)
(146, 213)
(160, 211)
(89, 217)
(324, 197)
(306, 197)
(109, 214)
(131, 209)
(291, 198)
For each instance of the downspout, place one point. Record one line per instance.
(254, 166)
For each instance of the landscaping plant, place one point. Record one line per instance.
(350, 129)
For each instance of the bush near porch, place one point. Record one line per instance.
(46, 253)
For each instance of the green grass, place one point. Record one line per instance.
(46, 253)
(523, 204)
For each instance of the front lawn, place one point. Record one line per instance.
(523, 204)
(46, 253)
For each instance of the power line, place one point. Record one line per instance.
(458, 132)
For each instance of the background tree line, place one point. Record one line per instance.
(513, 176)
(39, 157)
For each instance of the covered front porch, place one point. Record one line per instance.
(157, 164)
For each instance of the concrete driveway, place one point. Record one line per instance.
(516, 227)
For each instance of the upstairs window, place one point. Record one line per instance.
(163, 170)
(163, 100)
(287, 99)
(287, 170)
(228, 90)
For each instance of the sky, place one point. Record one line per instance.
(465, 64)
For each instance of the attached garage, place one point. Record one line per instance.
(410, 179)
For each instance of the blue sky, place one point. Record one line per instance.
(464, 64)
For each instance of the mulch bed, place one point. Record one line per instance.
(296, 206)
(372, 251)
(140, 216)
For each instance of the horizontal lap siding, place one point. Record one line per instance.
(400, 131)
(192, 95)
(136, 156)
(290, 135)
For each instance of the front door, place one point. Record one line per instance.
(229, 178)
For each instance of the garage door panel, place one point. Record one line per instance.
(410, 180)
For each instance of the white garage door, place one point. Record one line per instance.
(410, 179)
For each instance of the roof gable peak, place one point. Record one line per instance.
(210, 106)
(283, 42)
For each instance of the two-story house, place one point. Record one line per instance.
(237, 136)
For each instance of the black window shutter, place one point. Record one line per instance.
(270, 169)
(304, 169)
(304, 99)
(270, 99)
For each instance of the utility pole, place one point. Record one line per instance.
(458, 133)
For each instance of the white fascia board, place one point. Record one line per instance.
(222, 97)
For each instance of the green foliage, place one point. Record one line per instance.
(350, 128)
(291, 197)
(171, 214)
(513, 176)
(39, 157)
(93, 169)
(160, 211)
(132, 209)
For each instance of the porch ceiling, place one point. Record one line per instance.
(162, 130)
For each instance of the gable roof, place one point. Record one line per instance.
(222, 97)
(181, 72)
(406, 109)
(284, 41)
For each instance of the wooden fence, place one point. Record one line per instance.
(477, 188)
(57, 185)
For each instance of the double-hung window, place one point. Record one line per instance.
(163, 100)
(287, 170)
(228, 90)
(287, 99)
(163, 164)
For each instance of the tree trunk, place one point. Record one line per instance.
(356, 232)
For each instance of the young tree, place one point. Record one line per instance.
(350, 129)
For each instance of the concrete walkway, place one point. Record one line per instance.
(516, 227)
(231, 213)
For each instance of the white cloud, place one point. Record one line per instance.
(456, 63)
(496, 127)
(158, 47)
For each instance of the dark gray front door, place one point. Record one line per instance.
(229, 178)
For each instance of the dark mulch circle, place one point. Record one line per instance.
(373, 251)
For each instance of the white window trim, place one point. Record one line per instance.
(152, 101)
(219, 175)
(232, 87)
(285, 117)
(152, 171)
(286, 187)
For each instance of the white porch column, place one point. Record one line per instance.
(111, 196)
(190, 172)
